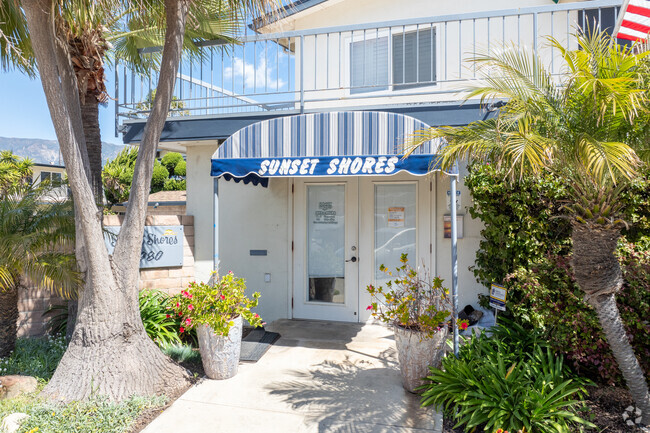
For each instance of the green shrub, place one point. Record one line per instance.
(161, 326)
(159, 176)
(36, 357)
(170, 161)
(181, 168)
(528, 249)
(181, 352)
(175, 185)
(507, 381)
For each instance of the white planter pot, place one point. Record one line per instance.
(220, 355)
(416, 353)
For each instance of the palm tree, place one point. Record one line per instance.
(109, 352)
(35, 231)
(590, 128)
(95, 32)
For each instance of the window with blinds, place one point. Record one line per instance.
(414, 56)
(405, 61)
(369, 65)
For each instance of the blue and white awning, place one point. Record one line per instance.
(357, 143)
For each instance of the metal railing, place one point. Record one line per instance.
(397, 62)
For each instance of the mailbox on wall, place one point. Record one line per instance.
(162, 246)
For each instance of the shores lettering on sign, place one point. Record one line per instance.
(340, 166)
(162, 246)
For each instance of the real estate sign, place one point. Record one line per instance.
(498, 297)
(162, 246)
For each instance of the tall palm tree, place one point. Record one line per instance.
(589, 127)
(36, 230)
(96, 32)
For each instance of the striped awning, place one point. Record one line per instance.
(351, 143)
(634, 23)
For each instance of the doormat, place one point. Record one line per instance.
(256, 343)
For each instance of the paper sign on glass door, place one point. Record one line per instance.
(395, 217)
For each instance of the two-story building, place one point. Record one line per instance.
(294, 141)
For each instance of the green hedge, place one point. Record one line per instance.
(527, 246)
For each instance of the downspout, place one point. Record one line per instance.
(215, 221)
(453, 178)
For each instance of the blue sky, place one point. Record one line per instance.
(24, 113)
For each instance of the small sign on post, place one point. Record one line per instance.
(498, 297)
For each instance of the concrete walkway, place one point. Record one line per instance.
(318, 377)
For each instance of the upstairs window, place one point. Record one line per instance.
(403, 61)
(369, 65)
(414, 55)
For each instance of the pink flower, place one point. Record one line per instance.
(369, 307)
(257, 316)
(188, 321)
(190, 307)
(230, 272)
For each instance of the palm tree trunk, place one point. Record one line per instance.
(598, 274)
(90, 121)
(110, 353)
(8, 320)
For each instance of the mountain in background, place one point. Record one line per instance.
(47, 151)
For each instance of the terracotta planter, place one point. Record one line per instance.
(416, 353)
(220, 355)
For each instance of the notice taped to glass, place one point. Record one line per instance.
(395, 217)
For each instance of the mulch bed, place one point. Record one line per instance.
(606, 405)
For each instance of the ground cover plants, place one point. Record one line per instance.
(39, 357)
(510, 380)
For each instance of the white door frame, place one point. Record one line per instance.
(361, 202)
(348, 311)
(424, 245)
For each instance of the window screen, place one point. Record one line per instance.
(414, 55)
(369, 65)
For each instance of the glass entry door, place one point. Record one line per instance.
(326, 251)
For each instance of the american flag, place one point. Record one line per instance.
(634, 23)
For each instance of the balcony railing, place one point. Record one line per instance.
(378, 64)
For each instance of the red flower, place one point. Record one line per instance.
(257, 316)
(369, 307)
(168, 316)
(223, 298)
(464, 325)
(178, 304)
(190, 307)
(182, 329)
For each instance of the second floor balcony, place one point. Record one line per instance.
(369, 66)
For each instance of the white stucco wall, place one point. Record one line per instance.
(468, 288)
(199, 204)
(257, 218)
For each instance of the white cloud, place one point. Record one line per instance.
(254, 75)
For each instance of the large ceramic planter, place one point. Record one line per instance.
(416, 353)
(220, 355)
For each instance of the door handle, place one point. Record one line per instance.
(353, 260)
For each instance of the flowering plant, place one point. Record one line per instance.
(412, 300)
(216, 305)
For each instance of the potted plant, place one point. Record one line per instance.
(217, 310)
(419, 309)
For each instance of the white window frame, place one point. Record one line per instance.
(390, 89)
